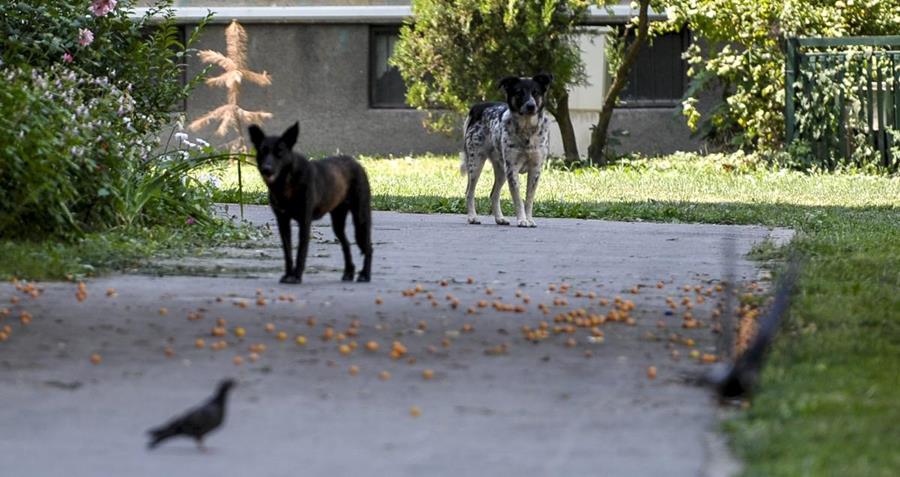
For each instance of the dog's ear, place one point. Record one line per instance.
(543, 79)
(507, 83)
(257, 136)
(289, 138)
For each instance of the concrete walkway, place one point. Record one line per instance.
(496, 405)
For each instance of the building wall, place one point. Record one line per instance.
(319, 77)
(643, 130)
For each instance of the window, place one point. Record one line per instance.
(658, 77)
(386, 87)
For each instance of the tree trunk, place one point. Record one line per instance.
(566, 130)
(597, 149)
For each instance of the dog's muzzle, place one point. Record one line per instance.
(268, 175)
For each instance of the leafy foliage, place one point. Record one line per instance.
(834, 93)
(145, 53)
(82, 103)
(456, 51)
(739, 47)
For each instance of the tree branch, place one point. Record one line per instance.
(599, 134)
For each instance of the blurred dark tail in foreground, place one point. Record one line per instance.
(739, 379)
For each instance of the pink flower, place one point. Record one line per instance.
(190, 221)
(68, 58)
(101, 7)
(85, 37)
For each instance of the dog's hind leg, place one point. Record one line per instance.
(362, 229)
(284, 229)
(499, 180)
(338, 223)
(303, 248)
(534, 175)
(474, 166)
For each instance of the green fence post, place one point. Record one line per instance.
(843, 140)
(895, 93)
(881, 136)
(790, 72)
(870, 111)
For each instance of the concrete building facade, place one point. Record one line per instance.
(327, 63)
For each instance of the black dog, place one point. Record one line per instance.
(305, 190)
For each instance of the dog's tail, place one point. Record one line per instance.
(463, 159)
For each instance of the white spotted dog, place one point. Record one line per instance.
(516, 138)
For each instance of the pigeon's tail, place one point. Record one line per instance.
(159, 435)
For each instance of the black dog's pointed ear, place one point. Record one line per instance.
(257, 136)
(507, 82)
(543, 79)
(289, 138)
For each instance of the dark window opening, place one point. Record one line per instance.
(386, 86)
(658, 77)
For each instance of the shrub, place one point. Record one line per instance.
(82, 102)
(740, 48)
(455, 52)
(73, 161)
(145, 53)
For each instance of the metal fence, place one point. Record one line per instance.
(842, 99)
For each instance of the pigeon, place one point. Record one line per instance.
(196, 422)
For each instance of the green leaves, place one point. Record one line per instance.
(739, 43)
(76, 137)
(456, 51)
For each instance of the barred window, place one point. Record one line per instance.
(658, 77)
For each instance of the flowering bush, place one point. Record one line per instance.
(99, 38)
(85, 92)
(73, 161)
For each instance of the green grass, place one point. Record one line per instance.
(721, 189)
(112, 250)
(829, 399)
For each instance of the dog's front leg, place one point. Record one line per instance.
(534, 174)
(284, 229)
(305, 231)
(499, 179)
(512, 177)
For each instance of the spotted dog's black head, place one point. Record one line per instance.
(526, 95)
(273, 153)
